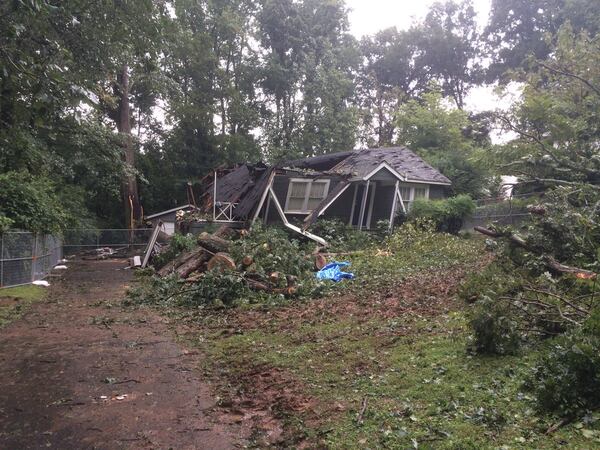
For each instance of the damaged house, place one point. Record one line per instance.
(358, 187)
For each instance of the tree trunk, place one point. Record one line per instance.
(131, 202)
(193, 264)
(213, 243)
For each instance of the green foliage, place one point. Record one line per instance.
(32, 204)
(5, 223)
(154, 290)
(520, 29)
(216, 289)
(273, 251)
(408, 250)
(178, 244)
(495, 331)
(447, 215)
(437, 133)
(342, 237)
(566, 379)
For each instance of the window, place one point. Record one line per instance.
(411, 193)
(405, 193)
(305, 195)
(420, 192)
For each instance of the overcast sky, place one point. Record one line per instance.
(371, 16)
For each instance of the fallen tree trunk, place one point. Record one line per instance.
(552, 263)
(194, 263)
(247, 261)
(213, 243)
(171, 266)
(514, 238)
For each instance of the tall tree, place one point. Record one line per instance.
(307, 77)
(443, 137)
(390, 75)
(557, 122)
(519, 29)
(449, 48)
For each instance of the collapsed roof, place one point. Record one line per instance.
(246, 185)
(361, 163)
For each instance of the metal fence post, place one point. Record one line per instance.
(32, 256)
(1, 259)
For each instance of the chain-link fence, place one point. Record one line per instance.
(512, 211)
(76, 241)
(27, 257)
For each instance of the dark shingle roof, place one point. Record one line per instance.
(360, 163)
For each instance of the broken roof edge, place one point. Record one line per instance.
(169, 211)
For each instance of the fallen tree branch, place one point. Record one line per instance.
(550, 261)
(562, 299)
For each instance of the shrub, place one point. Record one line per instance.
(566, 380)
(494, 329)
(448, 215)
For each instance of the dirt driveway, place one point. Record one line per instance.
(78, 371)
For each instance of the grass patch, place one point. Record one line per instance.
(422, 390)
(15, 301)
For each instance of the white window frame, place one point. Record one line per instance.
(408, 202)
(309, 182)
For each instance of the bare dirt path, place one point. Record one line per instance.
(76, 372)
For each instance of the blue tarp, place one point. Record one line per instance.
(332, 271)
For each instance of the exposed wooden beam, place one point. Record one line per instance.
(279, 209)
(263, 197)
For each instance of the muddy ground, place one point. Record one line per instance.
(79, 371)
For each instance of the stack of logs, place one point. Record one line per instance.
(212, 254)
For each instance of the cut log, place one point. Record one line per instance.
(213, 243)
(320, 261)
(257, 285)
(274, 277)
(221, 262)
(181, 259)
(291, 280)
(193, 264)
(247, 261)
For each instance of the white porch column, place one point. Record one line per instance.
(394, 206)
(363, 205)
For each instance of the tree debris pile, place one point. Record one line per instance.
(219, 271)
